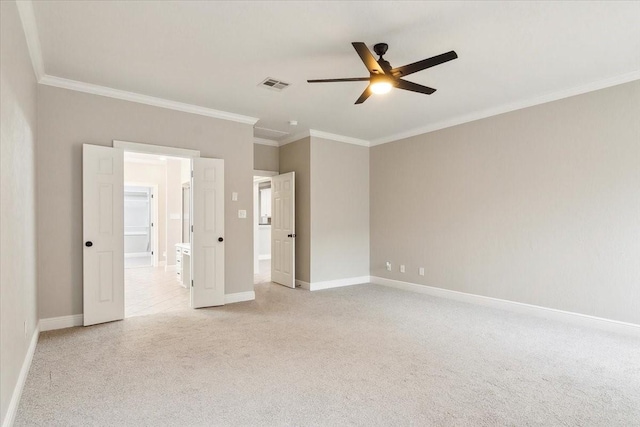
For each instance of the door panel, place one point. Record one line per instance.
(103, 227)
(283, 229)
(207, 252)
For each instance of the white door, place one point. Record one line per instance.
(283, 225)
(207, 238)
(103, 234)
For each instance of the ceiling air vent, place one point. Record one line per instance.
(274, 84)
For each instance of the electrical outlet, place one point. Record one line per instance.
(242, 213)
(388, 266)
(421, 271)
(402, 270)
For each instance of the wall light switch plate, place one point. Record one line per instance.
(422, 271)
(234, 197)
(402, 269)
(242, 213)
(388, 266)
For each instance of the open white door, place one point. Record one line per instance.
(207, 238)
(283, 225)
(103, 234)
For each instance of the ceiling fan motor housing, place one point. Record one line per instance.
(380, 48)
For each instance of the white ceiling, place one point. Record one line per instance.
(214, 55)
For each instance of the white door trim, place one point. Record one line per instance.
(155, 149)
(257, 172)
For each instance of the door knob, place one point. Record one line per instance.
(220, 239)
(291, 235)
(89, 244)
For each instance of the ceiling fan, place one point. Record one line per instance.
(382, 77)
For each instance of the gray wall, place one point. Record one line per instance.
(67, 119)
(340, 210)
(266, 158)
(296, 157)
(540, 205)
(18, 288)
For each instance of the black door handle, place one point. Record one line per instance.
(220, 239)
(291, 235)
(89, 244)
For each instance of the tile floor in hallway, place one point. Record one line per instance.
(151, 290)
(264, 275)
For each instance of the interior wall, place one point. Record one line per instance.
(296, 157)
(174, 206)
(18, 128)
(266, 158)
(67, 119)
(539, 206)
(340, 210)
(145, 173)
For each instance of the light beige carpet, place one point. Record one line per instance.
(363, 355)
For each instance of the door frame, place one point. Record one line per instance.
(161, 150)
(154, 205)
(256, 214)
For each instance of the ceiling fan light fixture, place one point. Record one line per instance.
(380, 88)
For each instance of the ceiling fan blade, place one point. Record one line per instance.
(414, 87)
(368, 59)
(350, 79)
(405, 70)
(367, 93)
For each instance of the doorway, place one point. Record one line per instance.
(155, 244)
(103, 281)
(261, 229)
(274, 228)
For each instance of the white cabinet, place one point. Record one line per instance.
(183, 263)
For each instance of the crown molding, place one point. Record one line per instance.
(144, 99)
(324, 135)
(264, 141)
(338, 138)
(29, 25)
(294, 138)
(555, 96)
(30, 28)
(27, 17)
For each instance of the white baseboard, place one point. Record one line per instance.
(318, 286)
(53, 323)
(169, 268)
(350, 281)
(12, 410)
(162, 263)
(264, 257)
(239, 297)
(548, 313)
